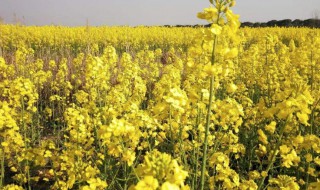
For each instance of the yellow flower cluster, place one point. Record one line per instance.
(159, 170)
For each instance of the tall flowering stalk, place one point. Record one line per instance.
(219, 16)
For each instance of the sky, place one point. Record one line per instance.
(145, 12)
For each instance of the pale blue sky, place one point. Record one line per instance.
(145, 12)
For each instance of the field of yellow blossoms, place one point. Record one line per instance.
(160, 108)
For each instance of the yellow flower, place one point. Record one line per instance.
(129, 157)
(271, 127)
(290, 159)
(148, 183)
(284, 182)
(233, 19)
(162, 168)
(298, 140)
(169, 186)
(47, 154)
(262, 137)
(264, 174)
(231, 88)
(12, 187)
(215, 29)
(96, 183)
(314, 186)
(284, 149)
(311, 171)
(253, 175)
(13, 169)
(4, 144)
(248, 185)
(177, 98)
(233, 3)
(210, 14)
(308, 157)
(219, 158)
(303, 118)
(231, 53)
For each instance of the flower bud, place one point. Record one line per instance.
(233, 3)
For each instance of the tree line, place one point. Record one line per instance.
(311, 23)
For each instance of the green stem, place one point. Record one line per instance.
(307, 177)
(125, 177)
(205, 145)
(104, 161)
(2, 170)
